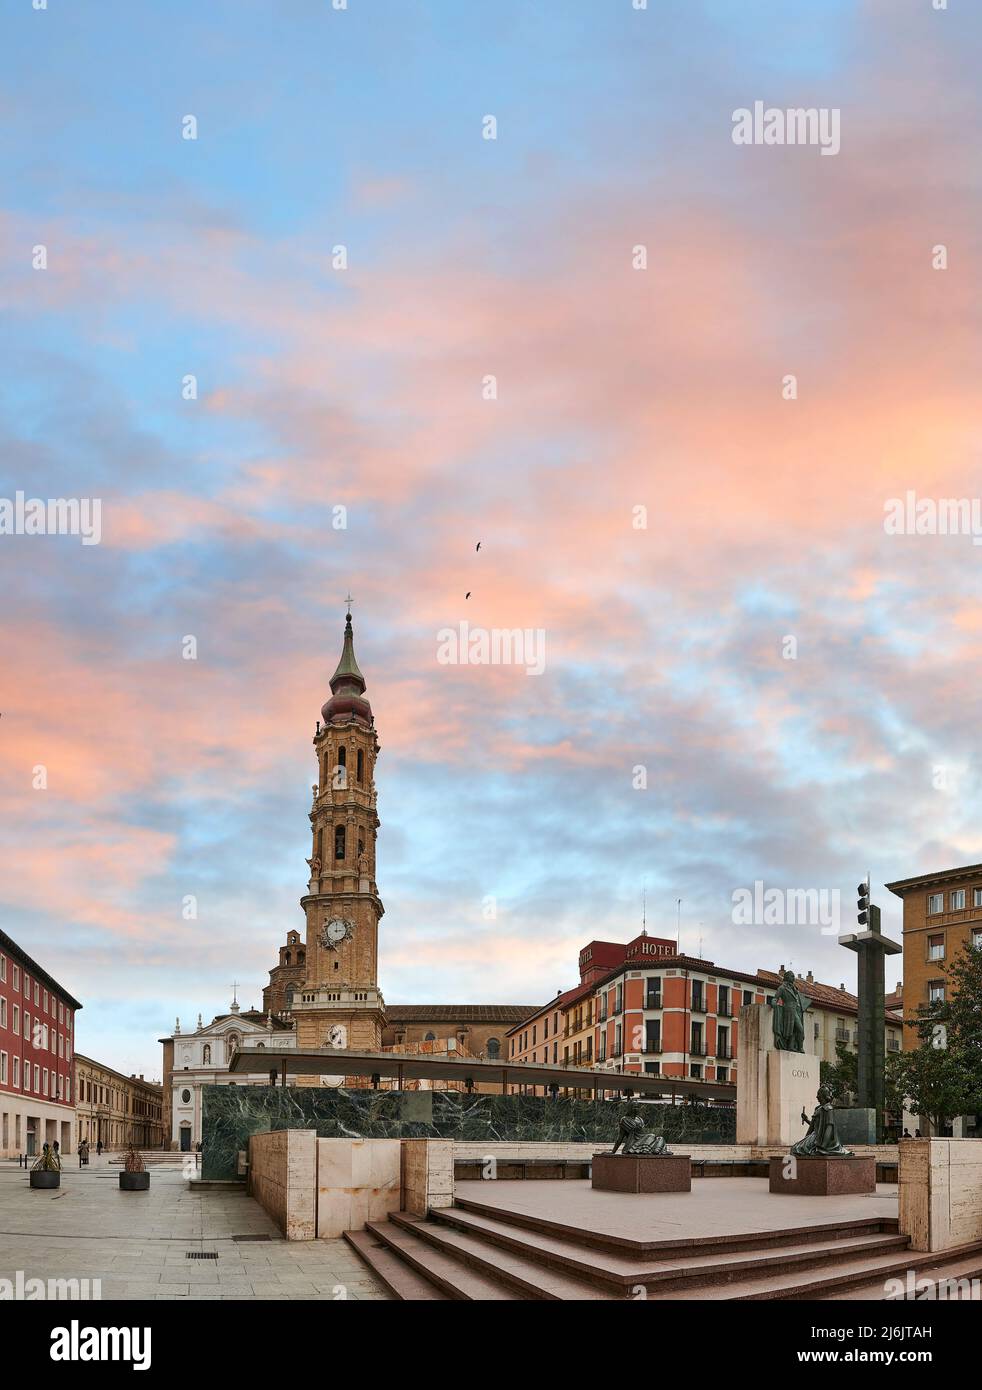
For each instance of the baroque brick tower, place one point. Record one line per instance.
(340, 1004)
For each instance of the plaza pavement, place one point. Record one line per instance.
(137, 1242)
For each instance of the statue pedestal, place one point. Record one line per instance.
(642, 1173)
(773, 1086)
(823, 1177)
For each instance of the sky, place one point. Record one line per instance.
(571, 342)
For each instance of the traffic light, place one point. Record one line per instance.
(862, 906)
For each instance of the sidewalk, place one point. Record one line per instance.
(137, 1243)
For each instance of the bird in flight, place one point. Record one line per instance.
(468, 594)
(478, 546)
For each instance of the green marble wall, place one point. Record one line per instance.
(231, 1113)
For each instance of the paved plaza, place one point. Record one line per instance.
(137, 1243)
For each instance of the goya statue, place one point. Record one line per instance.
(788, 1011)
(821, 1141)
(635, 1139)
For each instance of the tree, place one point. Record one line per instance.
(942, 1076)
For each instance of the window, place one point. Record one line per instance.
(44, 1081)
(722, 1073)
(16, 1071)
(957, 899)
(430, 1037)
(723, 1043)
(977, 897)
(3, 1012)
(186, 1096)
(361, 766)
(3, 968)
(36, 991)
(339, 842)
(652, 1035)
(935, 991)
(493, 1048)
(16, 1024)
(696, 1047)
(45, 1001)
(27, 1025)
(935, 948)
(723, 1001)
(977, 939)
(16, 977)
(935, 902)
(698, 998)
(602, 1054)
(61, 1012)
(748, 996)
(617, 1040)
(653, 993)
(695, 1071)
(342, 769)
(619, 1001)
(3, 1068)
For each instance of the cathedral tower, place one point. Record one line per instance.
(339, 1004)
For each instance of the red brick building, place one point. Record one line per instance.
(37, 1043)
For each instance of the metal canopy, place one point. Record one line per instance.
(340, 1061)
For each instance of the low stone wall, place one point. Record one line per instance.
(940, 1192)
(282, 1166)
(358, 1180)
(427, 1174)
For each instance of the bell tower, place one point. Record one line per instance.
(339, 1004)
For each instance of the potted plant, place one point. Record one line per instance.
(46, 1170)
(134, 1176)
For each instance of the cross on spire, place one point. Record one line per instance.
(349, 601)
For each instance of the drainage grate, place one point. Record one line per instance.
(202, 1254)
(241, 1239)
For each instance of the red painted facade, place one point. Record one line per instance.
(37, 1041)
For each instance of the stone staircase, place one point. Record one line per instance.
(475, 1250)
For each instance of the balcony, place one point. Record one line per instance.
(723, 1054)
(724, 1010)
(652, 1048)
(842, 1035)
(699, 1051)
(652, 1001)
(698, 1005)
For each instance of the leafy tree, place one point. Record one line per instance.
(942, 1076)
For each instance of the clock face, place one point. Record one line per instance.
(336, 931)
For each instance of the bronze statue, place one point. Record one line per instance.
(821, 1141)
(637, 1140)
(788, 1011)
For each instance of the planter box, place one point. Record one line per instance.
(642, 1173)
(134, 1182)
(44, 1178)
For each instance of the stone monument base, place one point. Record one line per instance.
(824, 1177)
(642, 1173)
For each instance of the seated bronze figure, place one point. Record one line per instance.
(821, 1141)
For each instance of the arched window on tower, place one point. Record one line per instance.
(286, 958)
(341, 779)
(339, 842)
(361, 766)
(301, 957)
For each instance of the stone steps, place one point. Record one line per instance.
(474, 1251)
(685, 1268)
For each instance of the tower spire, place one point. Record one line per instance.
(347, 684)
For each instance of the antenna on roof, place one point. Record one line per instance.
(644, 908)
(678, 924)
